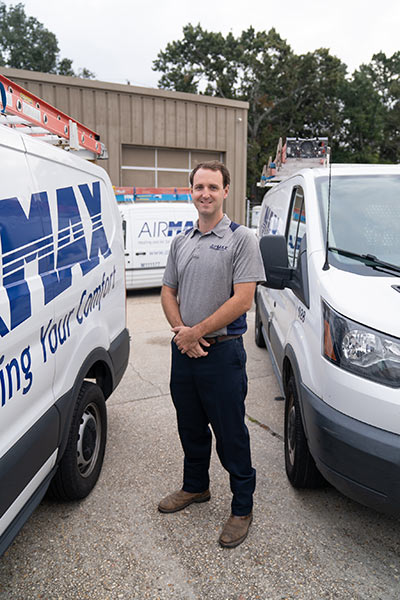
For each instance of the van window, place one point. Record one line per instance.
(296, 225)
(364, 217)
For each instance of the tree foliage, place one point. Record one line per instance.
(290, 95)
(26, 44)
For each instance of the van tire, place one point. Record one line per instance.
(300, 466)
(258, 335)
(80, 466)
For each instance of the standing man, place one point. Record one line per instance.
(208, 287)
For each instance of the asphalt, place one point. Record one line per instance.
(115, 544)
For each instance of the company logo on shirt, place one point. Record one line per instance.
(218, 247)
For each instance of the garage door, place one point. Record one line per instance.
(160, 167)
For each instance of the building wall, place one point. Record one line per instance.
(140, 125)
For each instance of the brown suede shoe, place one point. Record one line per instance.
(235, 530)
(180, 499)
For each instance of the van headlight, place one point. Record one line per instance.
(359, 349)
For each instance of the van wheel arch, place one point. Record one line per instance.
(100, 371)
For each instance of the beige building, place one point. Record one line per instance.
(154, 137)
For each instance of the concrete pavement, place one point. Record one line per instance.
(302, 545)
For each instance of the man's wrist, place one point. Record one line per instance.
(199, 331)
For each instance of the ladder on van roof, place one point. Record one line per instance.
(21, 109)
(293, 155)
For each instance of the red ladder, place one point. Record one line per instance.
(21, 108)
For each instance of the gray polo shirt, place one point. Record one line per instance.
(204, 268)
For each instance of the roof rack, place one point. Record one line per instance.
(21, 109)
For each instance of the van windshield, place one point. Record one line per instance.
(364, 219)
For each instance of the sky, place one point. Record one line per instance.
(119, 39)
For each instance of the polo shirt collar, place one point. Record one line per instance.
(219, 230)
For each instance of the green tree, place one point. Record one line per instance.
(314, 102)
(26, 44)
(306, 101)
(363, 113)
(291, 95)
(287, 94)
(64, 67)
(371, 111)
(197, 64)
(384, 73)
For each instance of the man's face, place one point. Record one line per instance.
(209, 193)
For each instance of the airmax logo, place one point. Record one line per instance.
(218, 247)
(55, 244)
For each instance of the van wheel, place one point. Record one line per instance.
(258, 336)
(82, 460)
(300, 466)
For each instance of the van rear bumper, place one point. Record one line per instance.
(361, 461)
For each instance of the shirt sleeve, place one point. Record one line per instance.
(247, 263)
(170, 277)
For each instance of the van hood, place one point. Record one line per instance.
(372, 301)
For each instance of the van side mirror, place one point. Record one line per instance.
(275, 257)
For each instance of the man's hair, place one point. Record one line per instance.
(212, 165)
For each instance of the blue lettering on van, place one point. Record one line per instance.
(11, 375)
(32, 238)
(270, 222)
(99, 243)
(291, 242)
(54, 335)
(89, 302)
(157, 229)
(178, 227)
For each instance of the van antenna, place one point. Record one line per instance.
(326, 265)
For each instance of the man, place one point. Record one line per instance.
(208, 287)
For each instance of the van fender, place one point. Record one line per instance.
(291, 366)
(106, 367)
(304, 336)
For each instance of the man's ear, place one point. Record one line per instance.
(226, 191)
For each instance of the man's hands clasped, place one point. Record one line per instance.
(188, 342)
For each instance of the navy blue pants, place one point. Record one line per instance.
(211, 391)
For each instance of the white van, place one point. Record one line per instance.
(64, 345)
(149, 227)
(330, 317)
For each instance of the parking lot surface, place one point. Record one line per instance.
(115, 544)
